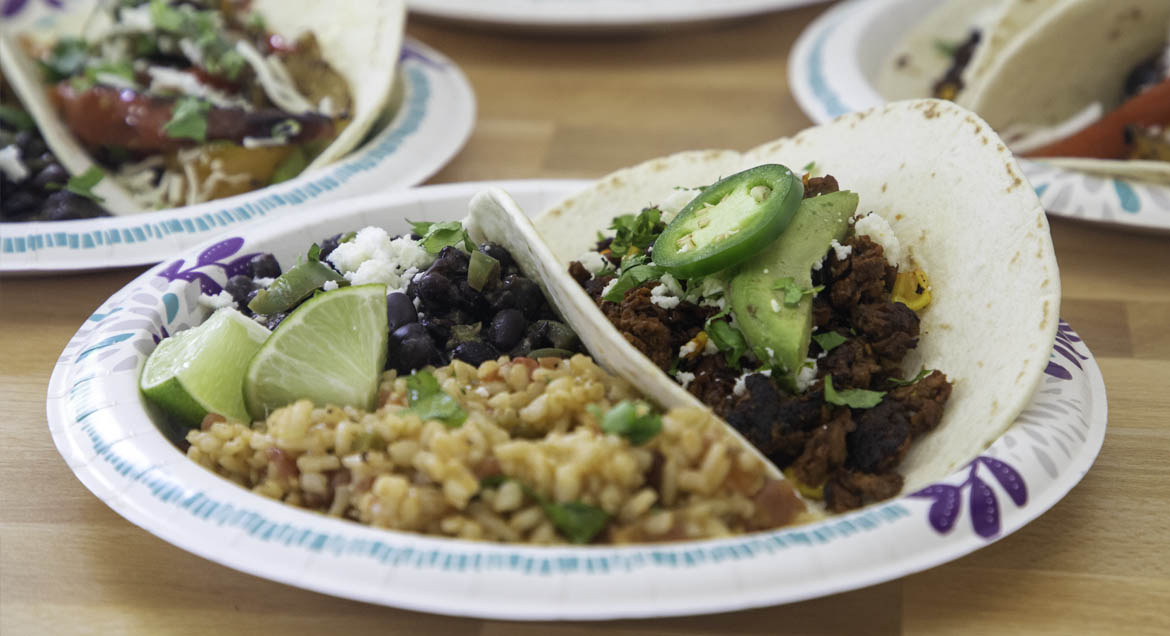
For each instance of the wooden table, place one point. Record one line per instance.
(561, 107)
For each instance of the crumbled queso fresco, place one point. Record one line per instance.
(372, 257)
(666, 293)
(218, 301)
(879, 231)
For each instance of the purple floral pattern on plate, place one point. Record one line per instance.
(1066, 346)
(13, 7)
(983, 504)
(212, 256)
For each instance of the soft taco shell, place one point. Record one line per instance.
(361, 44)
(916, 62)
(963, 212)
(1033, 82)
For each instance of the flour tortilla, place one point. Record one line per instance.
(1072, 56)
(361, 44)
(916, 62)
(962, 210)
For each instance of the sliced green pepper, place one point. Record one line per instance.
(729, 221)
(293, 286)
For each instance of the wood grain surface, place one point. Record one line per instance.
(554, 106)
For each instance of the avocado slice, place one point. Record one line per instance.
(779, 333)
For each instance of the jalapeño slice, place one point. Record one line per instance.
(729, 221)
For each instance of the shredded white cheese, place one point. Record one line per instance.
(275, 80)
(164, 80)
(11, 164)
(264, 142)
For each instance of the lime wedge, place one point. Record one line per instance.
(200, 370)
(330, 350)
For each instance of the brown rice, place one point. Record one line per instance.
(528, 421)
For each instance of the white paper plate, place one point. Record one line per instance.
(107, 437)
(831, 71)
(596, 14)
(434, 120)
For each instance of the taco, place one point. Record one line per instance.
(185, 102)
(1112, 114)
(952, 45)
(1082, 83)
(894, 327)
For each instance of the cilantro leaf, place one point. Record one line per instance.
(630, 279)
(120, 69)
(493, 481)
(579, 522)
(809, 167)
(853, 398)
(82, 184)
(637, 231)
(728, 339)
(429, 402)
(829, 340)
(65, 59)
(189, 119)
(166, 17)
(623, 419)
(793, 292)
(16, 118)
(922, 373)
(436, 236)
(314, 252)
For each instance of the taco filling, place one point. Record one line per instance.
(184, 102)
(797, 343)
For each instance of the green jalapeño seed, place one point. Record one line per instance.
(729, 221)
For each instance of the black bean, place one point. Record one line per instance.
(264, 266)
(439, 328)
(497, 251)
(240, 287)
(434, 290)
(517, 292)
(52, 173)
(411, 348)
(20, 203)
(64, 205)
(474, 352)
(400, 310)
(552, 334)
(328, 245)
(506, 329)
(451, 262)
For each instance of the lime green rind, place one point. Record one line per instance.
(201, 370)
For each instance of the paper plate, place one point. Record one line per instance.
(433, 121)
(596, 14)
(831, 71)
(108, 438)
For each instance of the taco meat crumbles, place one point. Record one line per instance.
(848, 456)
